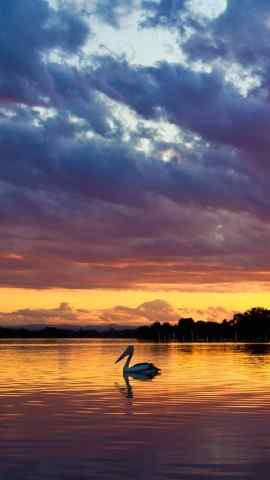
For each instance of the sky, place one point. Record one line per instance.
(134, 145)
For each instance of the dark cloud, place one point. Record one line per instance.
(113, 11)
(166, 13)
(240, 34)
(115, 247)
(45, 159)
(131, 219)
(198, 101)
(82, 204)
(31, 29)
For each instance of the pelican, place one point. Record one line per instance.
(140, 369)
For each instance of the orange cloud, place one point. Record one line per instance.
(147, 312)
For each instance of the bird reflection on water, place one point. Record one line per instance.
(139, 371)
(127, 390)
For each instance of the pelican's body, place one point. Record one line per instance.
(142, 369)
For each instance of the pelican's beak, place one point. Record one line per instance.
(121, 356)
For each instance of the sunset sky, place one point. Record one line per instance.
(134, 146)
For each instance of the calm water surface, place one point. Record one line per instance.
(67, 413)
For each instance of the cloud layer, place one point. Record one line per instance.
(119, 316)
(116, 174)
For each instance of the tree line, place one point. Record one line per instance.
(250, 326)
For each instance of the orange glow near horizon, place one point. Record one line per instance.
(13, 299)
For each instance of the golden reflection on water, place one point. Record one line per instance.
(203, 372)
(66, 410)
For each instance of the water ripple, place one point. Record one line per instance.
(67, 412)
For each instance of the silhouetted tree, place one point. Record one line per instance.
(250, 326)
(253, 325)
(186, 329)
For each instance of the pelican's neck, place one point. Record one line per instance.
(126, 366)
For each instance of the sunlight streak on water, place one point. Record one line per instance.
(67, 412)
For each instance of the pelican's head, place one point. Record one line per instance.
(129, 351)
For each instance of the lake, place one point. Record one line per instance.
(67, 413)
